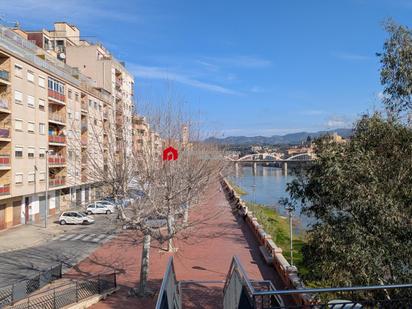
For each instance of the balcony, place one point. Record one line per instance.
(4, 189)
(4, 161)
(4, 106)
(83, 127)
(105, 115)
(4, 133)
(84, 107)
(57, 139)
(5, 77)
(57, 118)
(57, 160)
(57, 97)
(57, 181)
(83, 141)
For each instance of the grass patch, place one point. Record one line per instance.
(237, 189)
(278, 227)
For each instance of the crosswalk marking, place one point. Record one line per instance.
(98, 238)
(90, 236)
(78, 236)
(94, 238)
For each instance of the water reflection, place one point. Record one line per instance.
(266, 185)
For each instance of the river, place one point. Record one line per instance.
(266, 186)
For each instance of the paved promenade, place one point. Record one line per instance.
(204, 253)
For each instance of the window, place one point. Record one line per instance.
(18, 125)
(42, 176)
(18, 152)
(42, 82)
(76, 96)
(30, 76)
(42, 104)
(77, 115)
(42, 128)
(95, 105)
(18, 70)
(42, 153)
(69, 113)
(90, 103)
(30, 127)
(70, 94)
(30, 101)
(18, 97)
(19, 178)
(30, 178)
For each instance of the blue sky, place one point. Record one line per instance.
(242, 67)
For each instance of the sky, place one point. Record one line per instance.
(241, 67)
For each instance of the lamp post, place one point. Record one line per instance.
(290, 209)
(47, 187)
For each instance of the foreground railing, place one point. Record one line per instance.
(169, 294)
(70, 293)
(241, 292)
(15, 292)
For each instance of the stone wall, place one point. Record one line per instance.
(288, 273)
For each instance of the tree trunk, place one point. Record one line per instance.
(170, 233)
(186, 214)
(144, 267)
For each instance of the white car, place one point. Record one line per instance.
(74, 217)
(100, 207)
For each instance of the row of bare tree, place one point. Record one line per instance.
(167, 191)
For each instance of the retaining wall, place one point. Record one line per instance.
(287, 272)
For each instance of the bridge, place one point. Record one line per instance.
(273, 158)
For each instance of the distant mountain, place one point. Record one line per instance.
(292, 138)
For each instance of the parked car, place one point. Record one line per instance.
(120, 202)
(74, 217)
(343, 304)
(100, 207)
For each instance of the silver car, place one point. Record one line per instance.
(74, 217)
(100, 207)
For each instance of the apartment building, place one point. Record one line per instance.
(53, 121)
(145, 139)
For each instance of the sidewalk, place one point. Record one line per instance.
(28, 235)
(204, 253)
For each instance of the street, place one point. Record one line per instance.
(72, 244)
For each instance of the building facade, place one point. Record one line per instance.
(57, 114)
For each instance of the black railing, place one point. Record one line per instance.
(13, 293)
(240, 291)
(70, 293)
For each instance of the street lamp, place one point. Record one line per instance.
(290, 209)
(47, 187)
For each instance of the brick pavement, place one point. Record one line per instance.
(204, 253)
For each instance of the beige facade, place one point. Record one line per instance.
(53, 120)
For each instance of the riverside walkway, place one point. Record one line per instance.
(204, 254)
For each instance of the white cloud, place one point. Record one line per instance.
(239, 61)
(150, 72)
(338, 122)
(256, 89)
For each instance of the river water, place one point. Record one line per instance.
(266, 185)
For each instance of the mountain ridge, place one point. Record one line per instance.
(290, 138)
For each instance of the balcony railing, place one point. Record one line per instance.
(57, 181)
(5, 75)
(5, 189)
(4, 133)
(4, 104)
(57, 96)
(4, 160)
(57, 160)
(57, 117)
(83, 127)
(59, 139)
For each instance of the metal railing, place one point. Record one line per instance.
(60, 139)
(5, 189)
(4, 103)
(169, 294)
(13, 293)
(68, 294)
(4, 159)
(57, 181)
(5, 132)
(239, 290)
